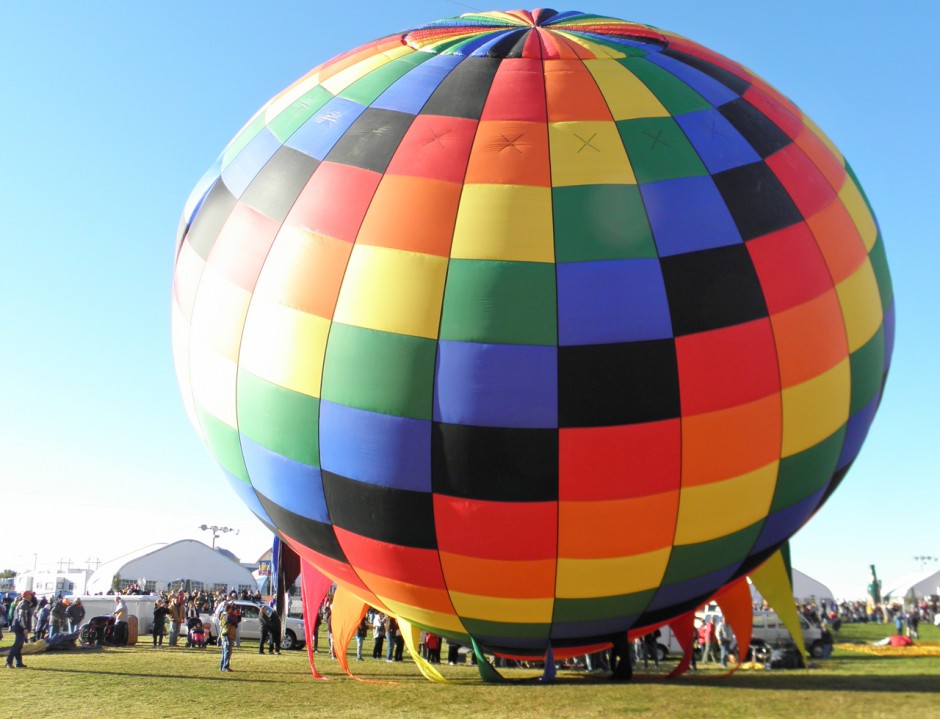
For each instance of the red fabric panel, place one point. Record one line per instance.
(334, 200)
(683, 627)
(517, 92)
(808, 187)
(435, 147)
(405, 564)
(496, 530)
(790, 267)
(735, 602)
(314, 587)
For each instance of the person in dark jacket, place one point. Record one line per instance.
(160, 610)
(22, 619)
(270, 631)
(76, 614)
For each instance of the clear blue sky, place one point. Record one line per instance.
(113, 112)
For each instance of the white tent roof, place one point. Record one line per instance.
(164, 563)
(922, 583)
(805, 589)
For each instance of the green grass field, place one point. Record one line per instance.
(142, 682)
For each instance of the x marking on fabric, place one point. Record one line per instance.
(330, 117)
(586, 143)
(437, 138)
(657, 139)
(510, 142)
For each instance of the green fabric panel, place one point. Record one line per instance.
(624, 605)
(291, 118)
(284, 421)
(690, 561)
(806, 472)
(224, 444)
(367, 89)
(867, 364)
(379, 371)
(600, 222)
(520, 630)
(861, 190)
(879, 263)
(500, 302)
(247, 134)
(659, 150)
(487, 671)
(785, 555)
(675, 95)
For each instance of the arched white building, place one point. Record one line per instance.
(155, 567)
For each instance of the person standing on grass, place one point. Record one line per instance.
(378, 634)
(270, 630)
(159, 622)
(228, 625)
(22, 620)
(76, 613)
(725, 638)
(177, 614)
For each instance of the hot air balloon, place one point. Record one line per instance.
(532, 328)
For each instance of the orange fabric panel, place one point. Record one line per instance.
(496, 578)
(308, 251)
(507, 152)
(346, 612)
(810, 339)
(735, 602)
(435, 600)
(731, 442)
(839, 239)
(572, 93)
(412, 213)
(617, 528)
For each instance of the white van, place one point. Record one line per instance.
(101, 605)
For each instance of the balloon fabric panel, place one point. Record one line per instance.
(532, 328)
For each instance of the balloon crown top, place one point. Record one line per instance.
(537, 34)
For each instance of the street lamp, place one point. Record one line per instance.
(216, 531)
(923, 559)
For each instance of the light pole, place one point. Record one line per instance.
(923, 559)
(216, 530)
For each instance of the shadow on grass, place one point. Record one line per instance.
(223, 676)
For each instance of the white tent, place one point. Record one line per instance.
(160, 564)
(915, 585)
(805, 589)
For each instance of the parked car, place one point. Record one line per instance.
(769, 633)
(292, 629)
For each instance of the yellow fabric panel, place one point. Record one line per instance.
(219, 314)
(858, 210)
(344, 78)
(709, 511)
(815, 409)
(588, 153)
(588, 578)
(861, 305)
(180, 339)
(189, 267)
(213, 379)
(773, 583)
(392, 291)
(444, 622)
(412, 636)
(504, 222)
(592, 47)
(290, 95)
(499, 609)
(285, 346)
(627, 97)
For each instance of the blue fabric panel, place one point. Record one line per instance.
(317, 135)
(247, 495)
(889, 335)
(479, 47)
(375, 448)
(707, 224)
(291, 484)
(781, 525)
(246, 166)
(612, 301)
(673, 594)
(412, 90)
(855, 432)
(709, 88)
(595, 628)
(716, 140)
(491, 385)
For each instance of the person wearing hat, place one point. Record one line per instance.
(22, 619)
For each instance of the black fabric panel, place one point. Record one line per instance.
(501, 464)
(511, 45)
(755, 127)
(758, 201)
(372, 139)
(313, 534)
(725, 77)
(614, 384)
(463, 92)
(212, 214)
(664, 614)
(712, 289)
(834, 483)
(276, 187)
(755, 560)
(394, 516)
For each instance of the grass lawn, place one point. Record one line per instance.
(142, 682)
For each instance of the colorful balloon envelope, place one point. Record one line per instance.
(532, 327)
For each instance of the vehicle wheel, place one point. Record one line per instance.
(662, 653)
(289, 641)
(85, 635)
(816, 650)
(760, 652)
